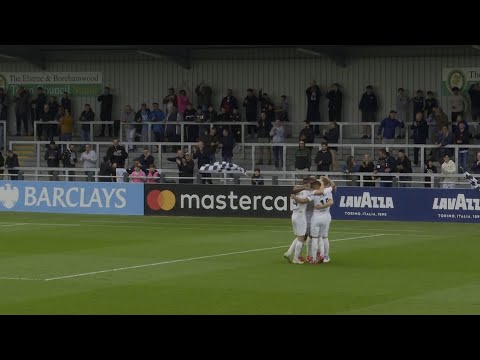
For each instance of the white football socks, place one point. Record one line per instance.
(292, 247)
(314, 248)
(327, 246)
(298, 249)
(321, 246)
(309, 247)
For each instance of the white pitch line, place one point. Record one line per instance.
(191, 259)
(19, 278)
(12, 224)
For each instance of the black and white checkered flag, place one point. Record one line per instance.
(474, 182)
(224, 167)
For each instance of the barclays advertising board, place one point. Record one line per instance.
(72, 197)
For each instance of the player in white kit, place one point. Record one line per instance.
(320, 223)
(299, 223)
(322, 199)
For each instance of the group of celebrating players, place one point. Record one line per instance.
(311, 220)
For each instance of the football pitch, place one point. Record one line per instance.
(79, 264)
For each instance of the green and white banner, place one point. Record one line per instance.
(54, 83)
(462, 78)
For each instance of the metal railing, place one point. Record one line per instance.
(287, 178)
(157, 149)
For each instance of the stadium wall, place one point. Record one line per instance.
(390, 204)
(144, 79)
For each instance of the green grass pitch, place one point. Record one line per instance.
(77, 264)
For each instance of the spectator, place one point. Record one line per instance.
(404, 166)
(313, 104)
(386, 164)
(282, 110)
(192, 130)
(137, 175)
(146, 160)
(458, 104)
(157, 117)
(69, 160)
(211, 142)
(403, 102)
(236, 131)
(439, 118)
(229, 102)
(21, 110)
(59, 114)
(170, 100)
(186, 168)
(201, 118)
(37, 105)
(257, 179)
(331, 136)
(136, 163)
(172, 129)
(334, 97)
(204, 95)
(465, 123)
(89, 158)
(227, 142)
(45, 117)
(251, 105)
(348, 168)
(476, 164)
(419, 134)
(203, 157)
(12, 165)
(106, 99)
(263, 155)
(53, 157)
(117, 155)
(367, 167)
(418, 103)
(443, 139)
(429, 169)
(53, 105)
(462, 137)
(223, 117)
(66, 126)
(66, 102)
(278, 137)
(265, 100)
(87, 116)
(302, 157)
(153, 177)
(369, 107)
(388, 125)
(183, 98)
(211, 115)
(128, 118)
(106, 170)
(436, 122)
(448, 168)
(430, 103)
(474, 93)
(141, 118)
(323, 158)
(178, 160)
(306, 134)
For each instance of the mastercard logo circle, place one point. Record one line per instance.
(161, 200)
